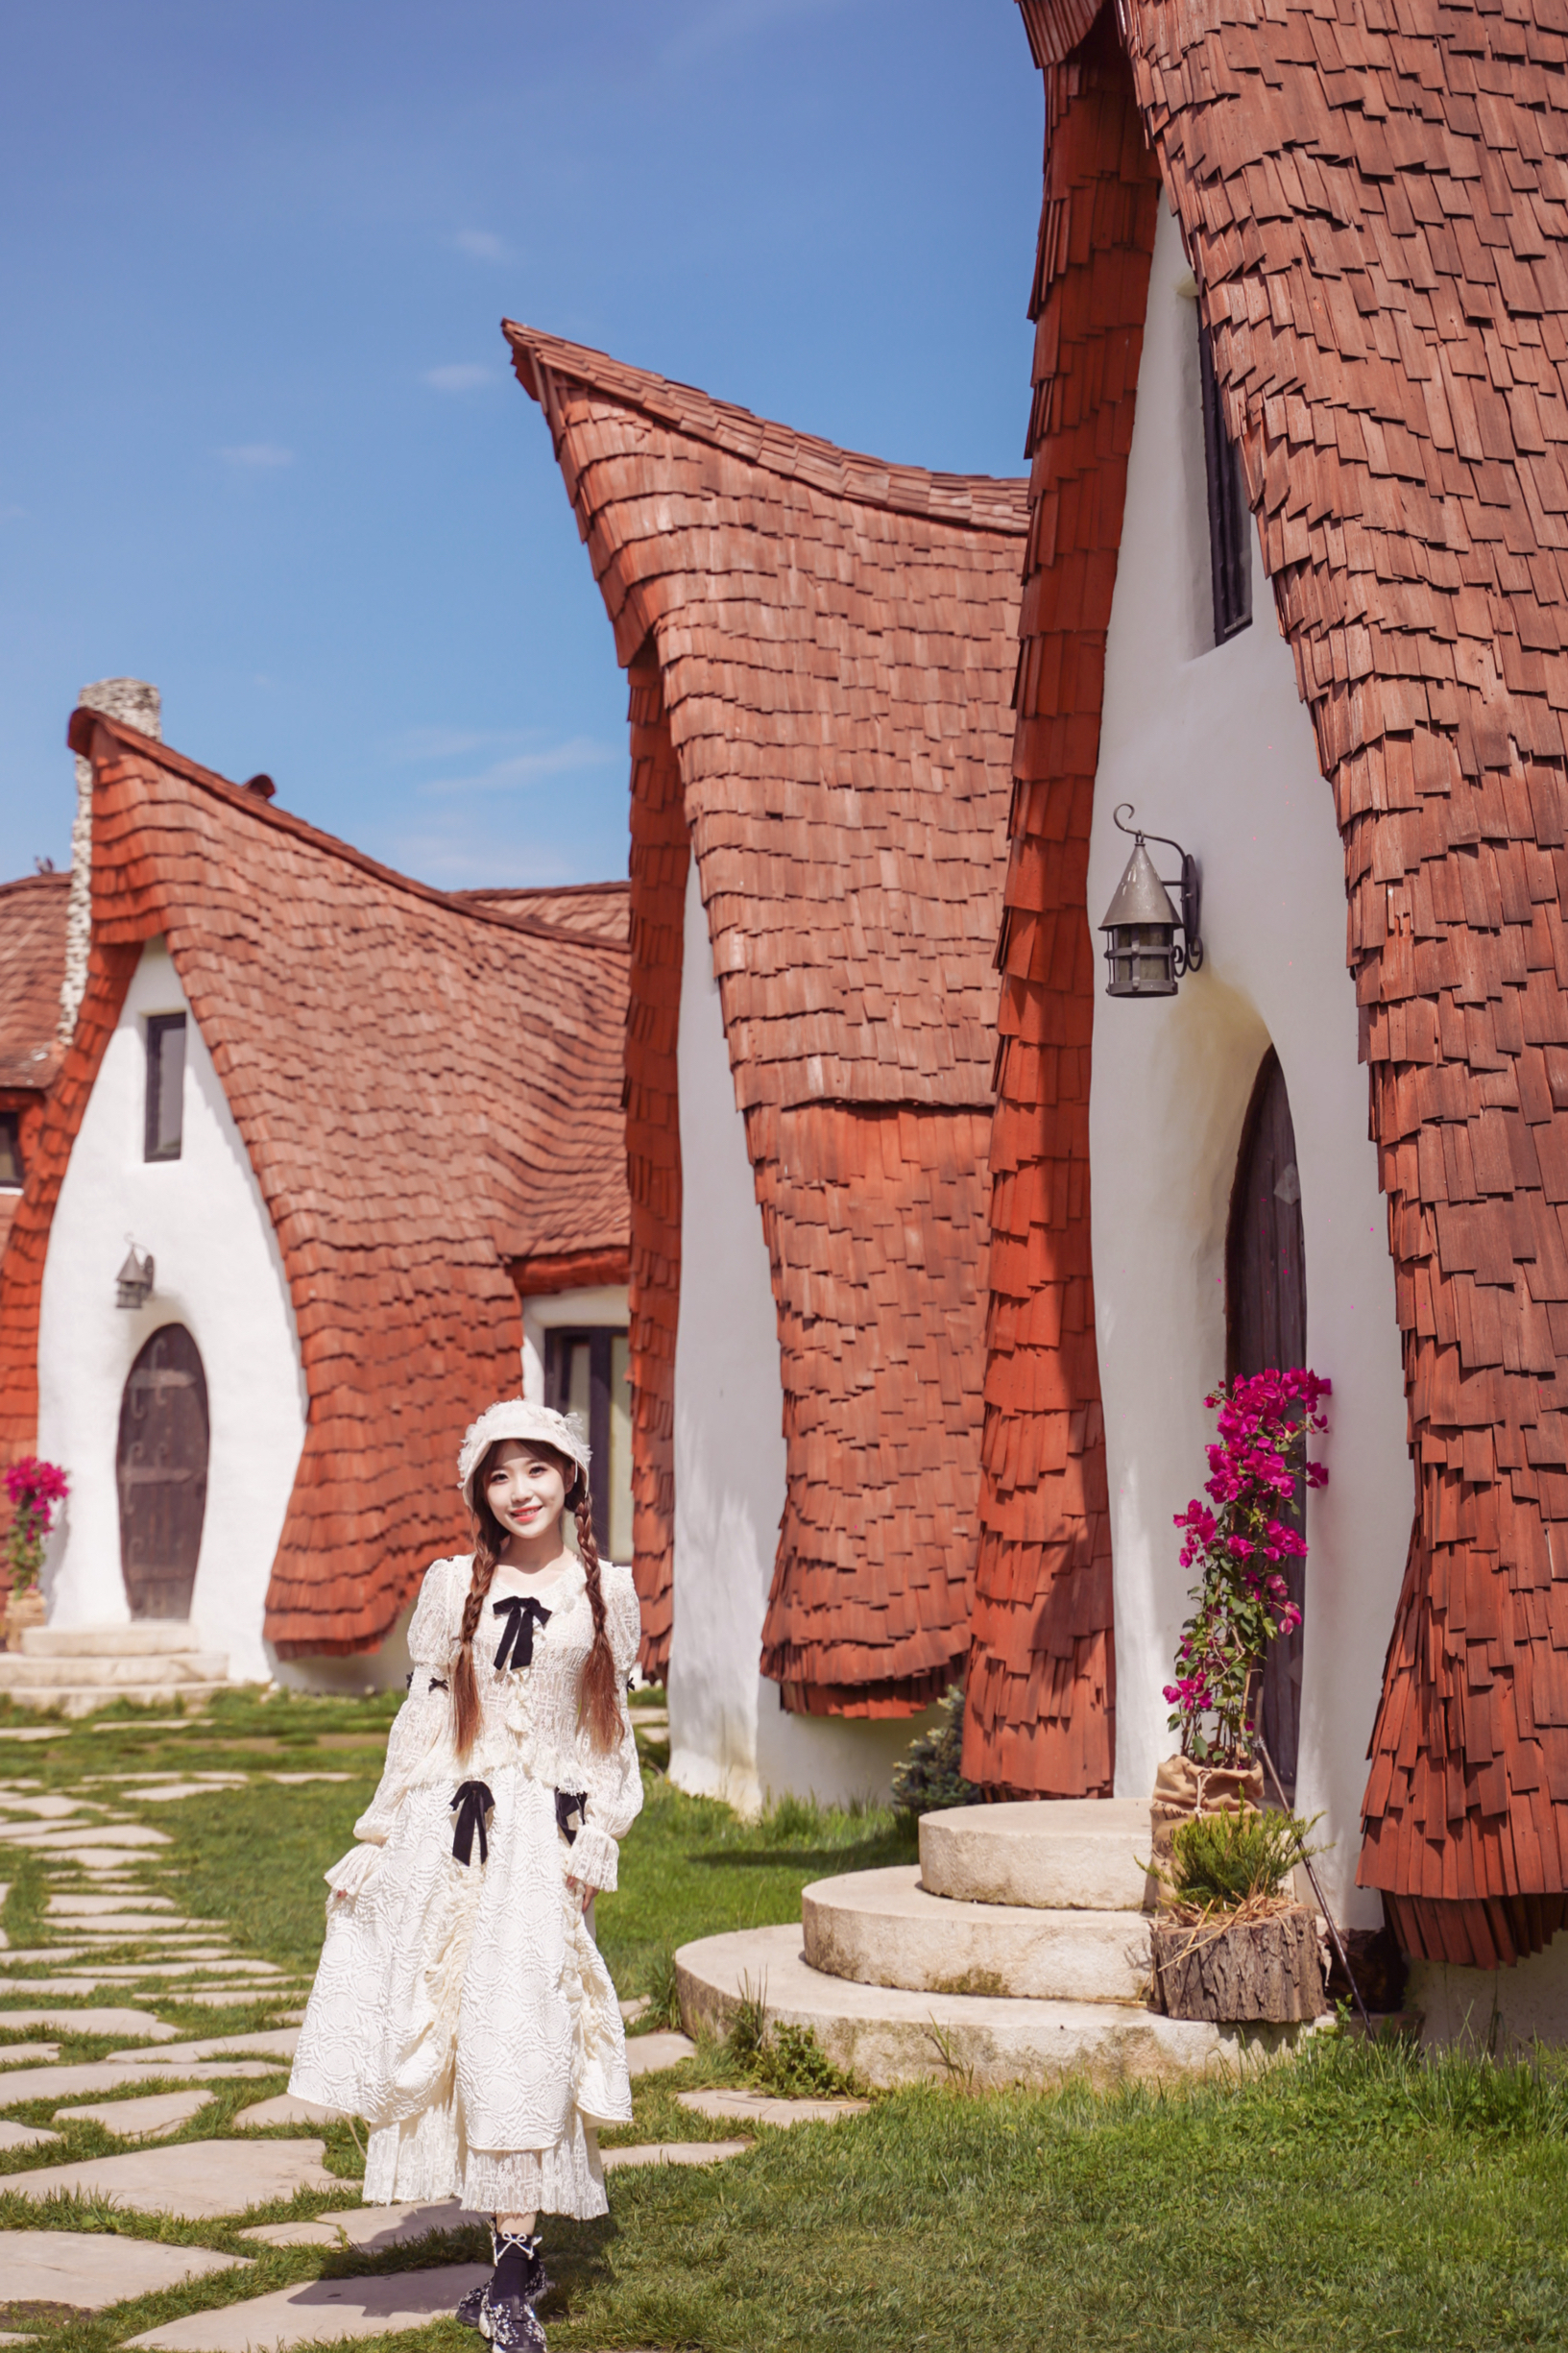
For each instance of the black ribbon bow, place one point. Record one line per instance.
(472, 1801)
(571, 1813)
(522, 1614)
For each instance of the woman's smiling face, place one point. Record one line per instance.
(525, 1488)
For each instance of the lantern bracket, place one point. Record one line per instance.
(1188, 955)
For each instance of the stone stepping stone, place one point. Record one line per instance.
(289, 1779)
(371, 2229)
(14, 2054)
(102, 1857)
(92, 2269)
(93, 2075)
(45, 1809)
(194, 2179)
(106, 1837)
(237, 1996)
(88, 1905)
(320, 2311)
(646, 2053)
(288, 2108)
(55, 1957)
(275, 2041)
(667, 2153)
(630, 2011)
(22, 2136)
(93, 2021)
(140, 2120)
(763, 2109)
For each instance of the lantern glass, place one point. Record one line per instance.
(1142, 960)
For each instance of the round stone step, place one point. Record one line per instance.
(881, 1927)
(887, 2035)
(1049, 1854)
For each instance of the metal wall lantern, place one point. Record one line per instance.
(1141, 923)
(133, 1283)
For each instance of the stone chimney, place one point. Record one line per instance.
(140, 706)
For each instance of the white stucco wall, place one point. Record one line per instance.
(220, 1273)
(729, 1737)
(1215, 749)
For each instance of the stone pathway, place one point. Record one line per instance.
(320, 2311)
(88, 2270)
(165, 2096)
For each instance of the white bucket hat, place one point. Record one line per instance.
(516, 1417)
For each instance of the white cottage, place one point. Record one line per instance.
(282, 1236)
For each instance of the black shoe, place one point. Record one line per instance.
(506, 2306)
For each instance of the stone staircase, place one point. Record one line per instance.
(78, 1668)
(1017, 1950)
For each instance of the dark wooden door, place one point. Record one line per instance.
(160, 1473)
(1266, 1330)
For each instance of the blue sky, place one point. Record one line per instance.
(260, 442)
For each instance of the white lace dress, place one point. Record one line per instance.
(462, 2009)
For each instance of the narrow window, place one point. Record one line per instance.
(165, 1086)
(11, 1152)
(586, 1373)
(1230, 543)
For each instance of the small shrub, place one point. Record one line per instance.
(792, 2064)
(927, 1778)
(787, 2061)
(1226, 1859)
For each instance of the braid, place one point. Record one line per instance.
(598, 1705)
(465, 1689)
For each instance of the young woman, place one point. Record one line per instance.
(461, 2006)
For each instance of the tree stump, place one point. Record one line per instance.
(1255, 1969)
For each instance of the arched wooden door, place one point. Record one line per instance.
(160, 1473)
(1266, 1328)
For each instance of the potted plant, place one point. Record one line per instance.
(1233, 1944)
(35, 1488)
(1238, 1541)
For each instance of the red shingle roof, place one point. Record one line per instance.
(1376, 201)
(598, 907)
(362, 1025)
(32, 968)
(1041, 1691)
(831, 640)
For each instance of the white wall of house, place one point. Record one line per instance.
(1216, 749)
(729, 1737)
(219, 1272)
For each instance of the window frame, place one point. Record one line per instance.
(159, 1025)
(12, 1120)
(1230, 517)
(560, 1341)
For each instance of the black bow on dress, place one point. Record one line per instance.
(522, 1614)
(472, 1801)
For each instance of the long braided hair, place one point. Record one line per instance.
(598, 1700)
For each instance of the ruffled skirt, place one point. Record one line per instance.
(465, 2012)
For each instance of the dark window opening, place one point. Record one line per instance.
(165, 1086)
(586, 1373)
(1230, 533)
(11, 1152)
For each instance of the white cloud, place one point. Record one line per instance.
(520, 769)
(482, 245)
(257, 455)
(465, 376)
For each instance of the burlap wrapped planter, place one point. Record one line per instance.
(1232, 1970)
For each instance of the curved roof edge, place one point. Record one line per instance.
(85, 724)
(984, 502)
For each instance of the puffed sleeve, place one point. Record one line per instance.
(421, 1723)
(613, 1778)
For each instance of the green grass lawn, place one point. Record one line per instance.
(1356, 2197)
